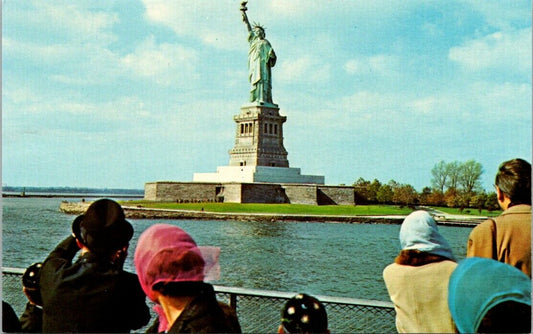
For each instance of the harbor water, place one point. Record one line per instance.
(331, 259)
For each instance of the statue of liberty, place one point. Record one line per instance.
(261, 58)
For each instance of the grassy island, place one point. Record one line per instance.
(298, 209)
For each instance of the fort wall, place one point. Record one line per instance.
(181, 191)
(235, 192)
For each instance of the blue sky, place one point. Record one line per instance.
(119, 93)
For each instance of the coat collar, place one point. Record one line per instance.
(519, 208)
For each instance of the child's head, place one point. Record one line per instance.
(304, 314)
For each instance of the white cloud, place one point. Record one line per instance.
(424, 105)
(164, 63)
(19, 95)
(503, 14)
(361, 110)
(306, 69)
(24, 104)
(302, 9)
(381, 64)
(501, 50)
(352, 66)
(212, 22)
(501, 102)
(65, 21)
(44, 53)
(369, 102)
(295, 6)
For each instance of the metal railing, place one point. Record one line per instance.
(259, 311)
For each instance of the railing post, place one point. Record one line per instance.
(233, 301)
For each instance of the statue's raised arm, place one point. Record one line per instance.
(244, 16)
(261, 58)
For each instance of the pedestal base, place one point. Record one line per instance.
(257, 174)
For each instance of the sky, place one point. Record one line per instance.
(113, 94)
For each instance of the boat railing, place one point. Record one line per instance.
(259, 311)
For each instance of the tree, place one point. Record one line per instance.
(405, 194)
(461, 181)
(436, 198)
(361, 186)
(440, 174)
(372, 191)
(361, 182)
(469, 175)
(425, 196)
(393, 184)
(454, 170)
(492, 202)
(451, 198)
(478, 201)
(367, 191)
(384, 194)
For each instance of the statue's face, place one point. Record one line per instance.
(259, 32)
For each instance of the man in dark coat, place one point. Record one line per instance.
(10, 322)
(203, 312)
(93, 294)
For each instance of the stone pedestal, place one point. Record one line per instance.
(259, 137)
(258, 155)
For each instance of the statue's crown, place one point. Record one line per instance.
(259, 26)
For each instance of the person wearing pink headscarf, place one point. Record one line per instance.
(172, 269)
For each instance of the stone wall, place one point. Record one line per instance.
(232, 192)
(254, 193)
(310, 194)
(336, 195)
(181, 191)
(263, 193)
(301, 193)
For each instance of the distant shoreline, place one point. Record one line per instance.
(66, 195)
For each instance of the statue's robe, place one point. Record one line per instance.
(261, 58)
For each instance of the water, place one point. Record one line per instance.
(344, 260)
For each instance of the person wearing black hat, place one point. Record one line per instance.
(93, 294)
(303, 314)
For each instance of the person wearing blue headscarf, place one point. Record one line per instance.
(417, 281)
(489, 296)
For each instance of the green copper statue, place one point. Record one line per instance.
(261, 58)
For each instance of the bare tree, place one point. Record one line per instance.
(469, 176)
(454, 171)
(440, 176)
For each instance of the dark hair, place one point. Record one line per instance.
(514, 180)
(507, 317)
(416, 258)
(181, 289)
